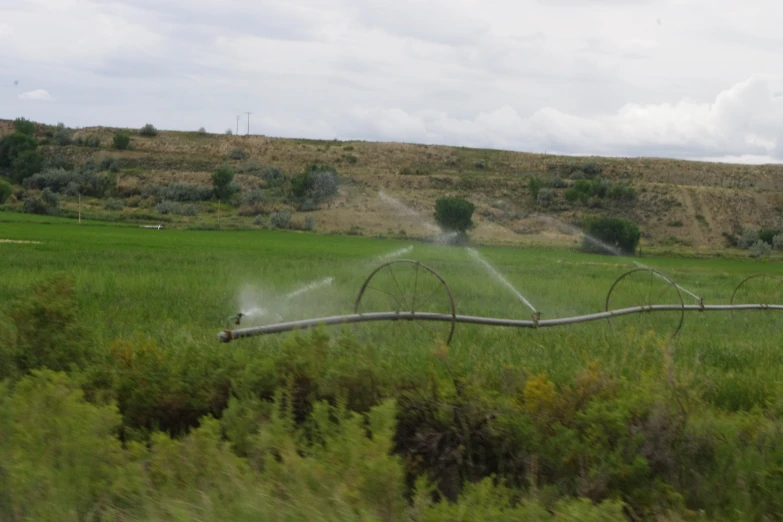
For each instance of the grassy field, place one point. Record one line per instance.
(176, 288)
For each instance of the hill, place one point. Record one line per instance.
(675, 203)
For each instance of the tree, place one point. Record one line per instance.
(26, 164)
(222, 180)
(612, 232)
(5, 191)
(316, 183)
(13, 145)
(62, 135)
(24, 126)
(121, 140)
(148, 130)
(454, 213)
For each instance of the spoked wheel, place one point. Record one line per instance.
(644, 287)
(406, 287)
(762, 289)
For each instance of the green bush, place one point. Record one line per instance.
(110, 163)
(748, 238)
(26, 164)
(6, 189)
(148, 130)
(121, 140)
(454, 214)
(280, 219)
(25, 126)
(183, 192)
(273, 176)
(317, 183)
(13, 145)
(237, 154)
(173, 207)
(62, 135)
(113, 204)
(768, 235)
(534, 185)
(222, 180)
(545, 197)
(309, 223)
(614, 232)
(93, 141)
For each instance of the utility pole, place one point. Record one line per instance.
(237, 124)
(248, 123)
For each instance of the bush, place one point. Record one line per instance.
(222, 180)
(148, 130)
(13, 145)
(26, 164)
(182, 192)
(280, 219)
(545, 197)
(62, 135)
(559, 183)
(60, 161)
(273, 176)
(309, 223)
(768, 234)
(229, 132)
(113, 204)
(84, 181)
(454, 214)
(760, 249)
(614, 232)
(777, 242)
(173, 207)
(36, 205)
(237, 154)
(254, 196)
(248, 167)
(121, 140)
(6, 189)
(317, 183)
(534, 185)
(93, 141)
(202, 130)
(110, 164)
(24, 126)
(748, 238)
(621, 192)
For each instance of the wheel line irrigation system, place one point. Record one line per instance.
(450, 316)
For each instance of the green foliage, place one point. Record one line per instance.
(13, 145)
(748, 238)
(113, 204)
(47, 203)
(6, 189)
(768, 234)
(534, 185)
(453, 213)
(82, 181)
(616, 232)
(273, 176)
(93, 141)
(26, 164)
(173, 207)
(238, 154)
(148, 130)
(280, 219)
(761, 249)
(221, 182)
(777, 241)
(183, 192)
(62, 135)
(121, 140)
(110, 163)
(316, 183)
(545, 197)
(25, 126)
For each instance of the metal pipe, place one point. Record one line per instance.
(229, 335)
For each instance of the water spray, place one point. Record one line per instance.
(491, 269)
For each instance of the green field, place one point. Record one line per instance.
(558, 413)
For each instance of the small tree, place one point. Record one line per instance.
(613, 232)
(760, 249)
(148, 130)
(24, 126)
(777, 242)
(280, 219)
(62, 135)
(121, 140)
(13, 145)
(26, 164)
(202, 130)
(748, 238)
(454, 214)
(5, 191)
(222, 180)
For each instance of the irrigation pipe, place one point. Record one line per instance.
(229, 335)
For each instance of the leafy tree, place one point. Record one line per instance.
(5, 191)
(614, 232)
(222, 180)
(148, 130)
(13, 145)
(454, 213)
(121, 140)
(26, 164)
(62, 135)
(24, 126)
(768, 234)
(317, 183)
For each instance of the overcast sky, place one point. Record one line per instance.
(674, 78)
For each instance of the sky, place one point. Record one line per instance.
(686, 79)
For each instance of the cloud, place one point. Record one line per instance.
(36, 95)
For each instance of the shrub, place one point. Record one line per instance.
(545, 197)
(13, 145)
(229, 132)
(24, 126)
(34, 205)
(748, 238)
(768, 234)
(222, 180)
(677, 223)
(760, 249)
(93, 141)
(534, 185)
(248, 167)
(309, 223)
(273, 176)
(254, 196)
(614, 232)
(110, 164)
(62, 135)
(50, 198)
(182, 192)
(237, 154)
(26, 164)
(453, 213)
(113, 204)
(280, 219)
(121, 140)
(777, 242)
(6, 189)
(350, 158)
(148, 130)
(559, 183)
(60, 161)
(202, 130)
(621, 192)
(173, 207)
(317, 183)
